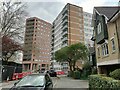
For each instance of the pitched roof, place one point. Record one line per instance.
(115, 16)
(108, 11)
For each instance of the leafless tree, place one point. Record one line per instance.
(12, 19)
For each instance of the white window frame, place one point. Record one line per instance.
(113, 44)
(105, 50)
(99, 28)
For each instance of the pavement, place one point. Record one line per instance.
(7, 83)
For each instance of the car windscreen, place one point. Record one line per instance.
(33, 80)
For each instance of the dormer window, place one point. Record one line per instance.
(99, 28)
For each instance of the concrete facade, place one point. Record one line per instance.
(68, 29)
(88, 29)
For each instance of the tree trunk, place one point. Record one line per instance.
(74, 65)
(70, 65)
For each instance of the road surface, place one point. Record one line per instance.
(60, 82)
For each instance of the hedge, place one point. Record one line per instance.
(115, 74)
(76, 75)
(103, 83)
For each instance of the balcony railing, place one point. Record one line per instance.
(64, 32)
(65, 11)
(65, 44)
(64, 27)
(65, 21)
(65, 17)
(65, 39)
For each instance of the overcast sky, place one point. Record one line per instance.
(49, 9)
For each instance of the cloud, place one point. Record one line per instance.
(88, 5)
(45, 10)
(49, 9)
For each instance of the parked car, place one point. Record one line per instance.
(39, 81)
(60, 72)
(52, 73)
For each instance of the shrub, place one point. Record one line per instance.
(87, 65)
(70, 74)
(94, 70)
(115, 74)
(76, 75)
(103, 83)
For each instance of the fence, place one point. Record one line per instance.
(8, 71)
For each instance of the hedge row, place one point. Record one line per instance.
(115, 74)
(103, 83)
(74, 74)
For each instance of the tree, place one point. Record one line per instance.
(72, 54)
(12, 19)
(9, 47)
(61, 56)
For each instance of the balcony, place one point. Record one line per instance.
(52, 30)
(30, 20)
(52, 35)
(65, 21)
(64, 39)
(52, 44)
(65, 11)
(52, 49)
(93, 38)
(64, 24)
(29, 27)
(65, 35)
(65, 27)
(30, 24)
(64, 44)
(64, 32)
(52, 39)
(65, 17)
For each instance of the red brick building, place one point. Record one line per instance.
(37, 45)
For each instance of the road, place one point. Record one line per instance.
(66, 82)
(63, 82)
(9, 84)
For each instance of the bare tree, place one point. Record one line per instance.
(12, 19)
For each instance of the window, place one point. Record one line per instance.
(99, 28)
(113, 44)
(105, 49)
(43, 65)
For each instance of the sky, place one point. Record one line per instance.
(48, 10)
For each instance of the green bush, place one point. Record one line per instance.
(94, 70)
(70, 74)
(87, 65)
(115, 74)
(103, 83)
(76, 75)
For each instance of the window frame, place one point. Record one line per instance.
(99, 28)
(105, 50)
(113, 45)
